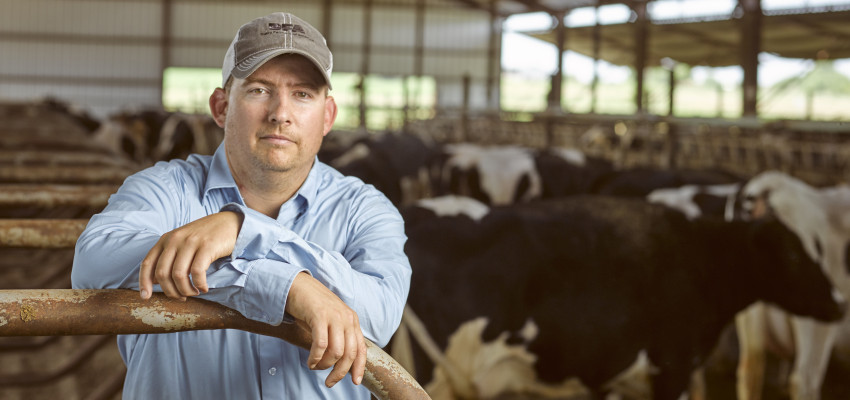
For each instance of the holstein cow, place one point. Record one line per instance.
(580, 287)
(821, 218)
(397, 164)
(641, 181)
(699, 200)
(496, 175)
(502, 175)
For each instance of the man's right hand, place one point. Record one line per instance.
(337, 338)
(189, 251)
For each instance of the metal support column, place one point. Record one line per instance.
(494, 59)
(597, 46)
(555, 95)
(750, 48)
(367, 55)
(641, 41)
(165, 46)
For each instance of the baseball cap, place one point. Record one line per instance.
(267, 37)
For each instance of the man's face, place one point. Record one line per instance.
(275, 119)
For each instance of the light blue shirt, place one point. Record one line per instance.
(344, 233)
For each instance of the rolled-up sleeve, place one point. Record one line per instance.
(110, 250)
(372, 276)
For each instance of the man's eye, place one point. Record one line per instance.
(258, 91)
(302, 95)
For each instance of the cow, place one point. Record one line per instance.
(579, 287)
(502, 175)
(639, 182)
(397, 164)
(697, 201)
(820, 218)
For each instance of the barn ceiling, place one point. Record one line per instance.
(510, 7)
(814, 33)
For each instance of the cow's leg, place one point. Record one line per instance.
(752, 334)
(814, 341)
(697, 388)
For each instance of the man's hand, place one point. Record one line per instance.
(337, 338)
(189, 250)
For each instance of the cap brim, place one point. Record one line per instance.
(253, 63)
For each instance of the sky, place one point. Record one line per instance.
(537, 58)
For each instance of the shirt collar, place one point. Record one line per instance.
(219, 177)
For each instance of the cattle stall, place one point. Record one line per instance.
(54, 174)
(815, 151)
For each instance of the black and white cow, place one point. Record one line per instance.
(639, 182)
(601, 280)
(397, 164)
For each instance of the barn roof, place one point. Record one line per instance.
(811, 33)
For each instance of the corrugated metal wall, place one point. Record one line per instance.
(107, 55)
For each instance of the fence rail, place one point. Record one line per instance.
(38, 312)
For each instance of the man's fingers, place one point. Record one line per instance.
(146, 272)
(163, 274)
(358, 367)
(180, 272)
(320, 344)
(339, 355)
(199, 272)
(346, 361)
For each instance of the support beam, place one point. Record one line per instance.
(641, 49)
(555, 92)
(751, 21)
(494, 59)
(165, 45)
(597, 48)
(367, 55)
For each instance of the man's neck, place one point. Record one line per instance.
(266, 193)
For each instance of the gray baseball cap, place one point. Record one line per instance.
(267, 37)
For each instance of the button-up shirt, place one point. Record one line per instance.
(346, 234)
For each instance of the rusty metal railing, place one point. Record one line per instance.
(38, 312)
(65, 174)
(41, 233)
(48, 195)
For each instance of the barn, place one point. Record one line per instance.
(630, 199)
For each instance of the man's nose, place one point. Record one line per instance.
(279, 111)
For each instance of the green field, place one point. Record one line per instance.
(821, 96)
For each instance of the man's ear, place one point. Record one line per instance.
(218, 106)
(330, 114)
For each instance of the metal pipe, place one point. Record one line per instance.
(49, 196)
(82, 352)
(41, 312)
(62, 157)
(41, 233)
(65, 174)
(51, 141)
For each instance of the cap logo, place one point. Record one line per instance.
(273, 26)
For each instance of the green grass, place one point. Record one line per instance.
(188, 90)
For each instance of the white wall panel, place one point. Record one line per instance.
(394, 27)
(80, 60)
(207, 20)
(109, 52)
(456, 66)
(456, 29)
(105, 18)
(346, 26)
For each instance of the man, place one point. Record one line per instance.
(262, 227)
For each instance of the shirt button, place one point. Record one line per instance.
(272, 371)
